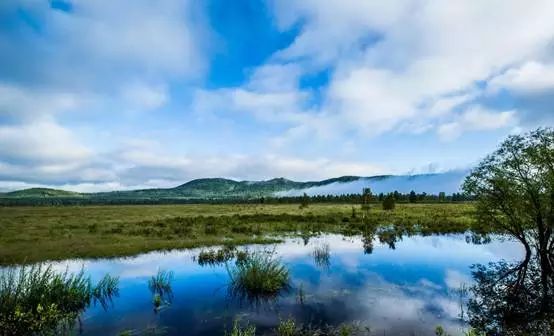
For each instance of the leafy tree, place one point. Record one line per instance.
(514, 188)
(413, 197)
(389, 203)
(442, 196)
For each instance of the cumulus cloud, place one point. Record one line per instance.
(530, 78)
(476, 118)
(41, 141)
(354, 71)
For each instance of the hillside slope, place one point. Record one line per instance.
(220, 188)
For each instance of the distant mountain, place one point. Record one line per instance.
(41, 192)
(220, 188)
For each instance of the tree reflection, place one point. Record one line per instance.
(513, 299)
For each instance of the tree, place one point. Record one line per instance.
(389, 202)
(413, 197)
(366, 199)
(514, 188)
(305, 201)
(442, 196)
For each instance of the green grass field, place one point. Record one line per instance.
(32, 234)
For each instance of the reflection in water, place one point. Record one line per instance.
(513, 299)
(409, 290)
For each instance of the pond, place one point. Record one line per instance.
(408, 289)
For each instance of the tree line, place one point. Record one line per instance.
(353, 198)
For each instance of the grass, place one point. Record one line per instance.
(322, 255)
(37, 300)
(247, 330)
(35, 234)
(214, 257)
(258, 277)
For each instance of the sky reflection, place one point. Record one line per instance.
(410, 289)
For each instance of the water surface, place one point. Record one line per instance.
(402, 291)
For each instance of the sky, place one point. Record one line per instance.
(103, 95)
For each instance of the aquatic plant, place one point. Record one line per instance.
(259, 275)
(214, 257)
(322, 255)
(160, 286)
(37, 300)
(286, 327)
(161, 282)
(247, 330)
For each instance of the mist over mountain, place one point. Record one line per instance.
(448, 182)
(221, 189)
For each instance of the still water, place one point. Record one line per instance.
(408, 290)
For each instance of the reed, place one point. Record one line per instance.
(37, 300)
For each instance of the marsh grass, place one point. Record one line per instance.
(214, 257)
(160, 286)
(322, 255)
(33, 234)
(260, 276)
(237, 330)
(37, 300)
(289, 327)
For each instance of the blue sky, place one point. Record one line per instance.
(102, 95)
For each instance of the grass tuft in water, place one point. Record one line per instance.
(247, 330)
(37, 300)
(160, 286)
(287, 328)
(214, 257)
(258, 275)
(322, 255)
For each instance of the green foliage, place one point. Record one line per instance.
(247, 330)
(36, 300)
(34, 234)
(514, 186)
(286, 328)
(305, 201)
(260, 275)
(322, 255)
(161, 282)
(213, 257)
(389, 203)
(412, 198)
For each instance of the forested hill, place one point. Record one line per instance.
(221, 189)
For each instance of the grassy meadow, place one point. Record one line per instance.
(33, 234)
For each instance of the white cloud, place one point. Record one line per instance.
(455, 280)
(476, 118)
(21, 102)
(41, 141)
(425, 51)
(530, 78)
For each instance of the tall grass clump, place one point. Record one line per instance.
(248, 330)
(37, 300)
(160, 286)
(322, 255)
(260, 275)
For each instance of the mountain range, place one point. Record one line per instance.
(220, 188)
